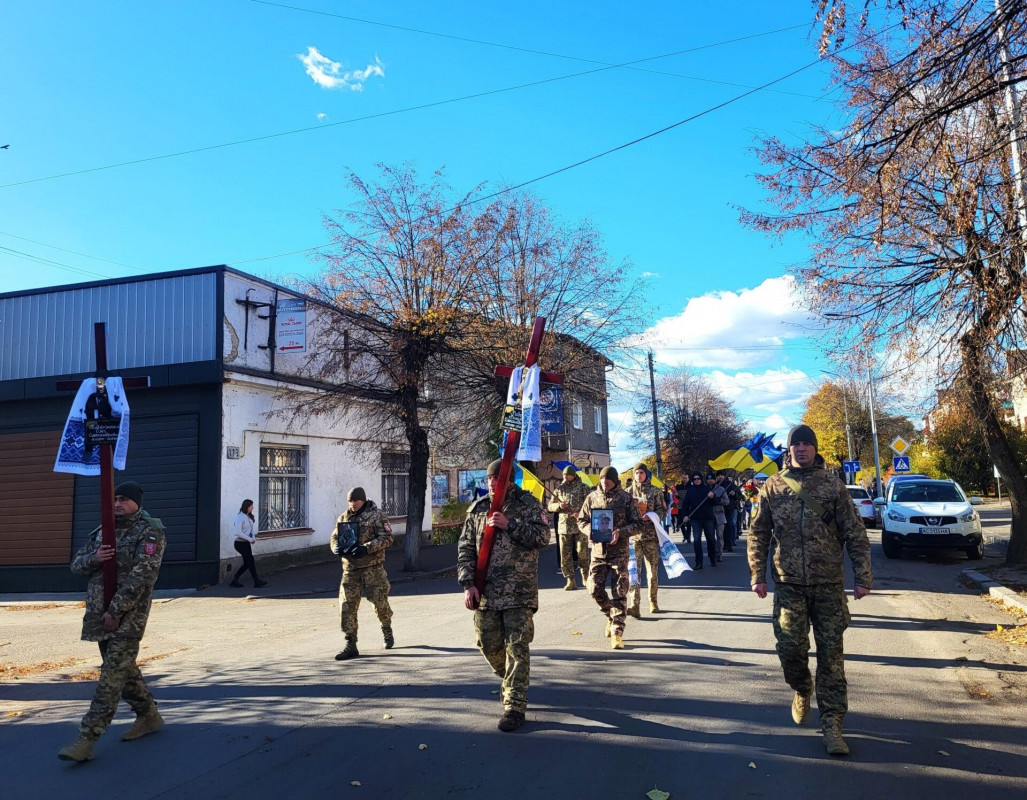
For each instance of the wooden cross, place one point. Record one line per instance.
(110, 567)
(513, 441)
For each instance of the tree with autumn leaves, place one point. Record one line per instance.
(910, 208)
(426, 290)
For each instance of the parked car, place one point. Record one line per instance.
(864, 505)
(924, 513)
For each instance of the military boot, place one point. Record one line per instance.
(349, 651)
(634, 610)
(833, 740)
(150, 722)
(584, 578)
(800, 708)
(571, 585)
(390, 640)
(80, 750)
(617, 641)
(511, 721)
(653, 607)
(609, 628)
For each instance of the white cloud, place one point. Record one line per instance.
(740, 329)
(330, 75)
(321, 117)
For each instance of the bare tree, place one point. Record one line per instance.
(911, 210)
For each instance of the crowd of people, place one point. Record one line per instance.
(804, 523)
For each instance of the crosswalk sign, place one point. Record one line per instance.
(900, 463)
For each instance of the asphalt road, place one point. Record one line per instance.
(695, 705)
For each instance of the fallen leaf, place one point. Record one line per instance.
(575, 633)
(999, 628)
(656, 794)
(15, 713)
(354, 783)
(422, 747)
(386, 716)
(752, 765)
(942, 753)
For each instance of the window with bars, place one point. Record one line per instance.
(395, 483)
(283, 488)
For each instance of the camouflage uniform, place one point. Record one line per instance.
(611, 559)
(365, 575)
(570, 538)
(504, 621)
(139, 544)
(809, 579)
(647, 543)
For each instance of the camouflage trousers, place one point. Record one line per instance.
(647, 551)
(369, 582)
(120, 678)
(503, 638)
(824, 608)
(615, 607)
(569, 544)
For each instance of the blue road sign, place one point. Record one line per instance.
(850, 466)
(900, 463)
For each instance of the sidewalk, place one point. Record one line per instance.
(296, 581)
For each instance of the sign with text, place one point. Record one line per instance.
(291, 325)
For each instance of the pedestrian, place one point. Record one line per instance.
(118, 628)
(807, 515)
(610, 560)
(720, 518)
(734, 496)
(698, 513)
(363, 568)
(505, 608)
(567, 500)
(679, 520)
(245, 536)
(647, 544)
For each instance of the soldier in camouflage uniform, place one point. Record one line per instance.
(611, 560)
(504, 611)
(363, 569)
(569, 496)
(118, 628)
(810, 524)
(647, 544)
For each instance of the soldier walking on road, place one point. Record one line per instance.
(807, 514)
(363, 569)
(569, 496)
(504, 611)
(611, 560)
(647, 544)
(119, 628)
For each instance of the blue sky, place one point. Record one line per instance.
(87, 86)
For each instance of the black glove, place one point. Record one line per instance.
(358, 551)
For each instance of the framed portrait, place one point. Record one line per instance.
(470, 482)
(347, 534)
(440, 489)
(602, 525)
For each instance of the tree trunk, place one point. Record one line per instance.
(1000, 450)
(417, 438)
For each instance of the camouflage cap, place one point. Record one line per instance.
(609, 473)
(569, 470)
(493, 468)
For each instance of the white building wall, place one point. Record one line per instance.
(332, 467)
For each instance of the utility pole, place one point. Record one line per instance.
(1013, 109)
(873, 428)
(656, 419)
(850, 476)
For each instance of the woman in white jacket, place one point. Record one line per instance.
(245, 536)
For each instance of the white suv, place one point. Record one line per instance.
(924, 513)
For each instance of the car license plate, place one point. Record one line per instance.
(934, 530)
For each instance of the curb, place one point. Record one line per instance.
(417, 576)
(997, 590)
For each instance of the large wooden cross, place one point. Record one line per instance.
(110, 567)
(513, 441)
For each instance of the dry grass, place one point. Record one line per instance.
(12, 672)
(43, 606)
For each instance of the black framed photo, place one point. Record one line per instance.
(602, 525)
(347, 534)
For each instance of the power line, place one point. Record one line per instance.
(379, 115)
(48, 262)
(550, 53)
(73, 252)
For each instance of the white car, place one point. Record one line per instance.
(864, 505)
(925, 513)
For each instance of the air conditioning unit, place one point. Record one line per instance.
(233, 452)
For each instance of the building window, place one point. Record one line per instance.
(283, 488)
(576, 415)
(395, 483)
(597, 414)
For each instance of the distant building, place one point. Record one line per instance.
(207, 434)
